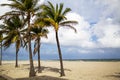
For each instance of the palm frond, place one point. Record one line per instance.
(66, 11)
(68, 25)
(1, 37)
(61, 8)
(69, 22)
(15, 5)
(7, 41)
(2, 26)
(51, 7)
(35, 2)
(10, 14)
(52, 22)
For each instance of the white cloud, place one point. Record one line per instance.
(41, 1)
(3, 9)
(111, 9)
(108, 33)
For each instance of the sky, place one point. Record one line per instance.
(97, 37)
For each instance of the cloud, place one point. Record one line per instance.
(41, 1)
(4, 9)
(111, 9)
(68, 37)
(107, 33)
(86, 8)
(93, 10)
(106, 30)
(83, 35)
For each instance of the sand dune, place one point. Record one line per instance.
(75, 70)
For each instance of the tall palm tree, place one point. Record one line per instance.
(27, 8)
(1, 39)
(12, 29)
(37, 34)
(56, 17)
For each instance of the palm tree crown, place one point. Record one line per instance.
(56, 16)
(12, 29)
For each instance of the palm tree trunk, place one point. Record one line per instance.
(32, 70)
(16, 62)
(1, 55)
(60, 55)
(39, 65)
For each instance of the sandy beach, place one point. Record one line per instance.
(75, 70)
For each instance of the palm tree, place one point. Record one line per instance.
(12, 29)
(27, 8)
(1, 39)
(56, 17)
(37, 33)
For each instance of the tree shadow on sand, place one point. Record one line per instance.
(56, 70)
(25, 64)
(116, 75)
(5, 77)
(43, 68)
(41, 78)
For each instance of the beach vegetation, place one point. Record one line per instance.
(55, 15)
(44, 15)
(26, 8)
(12, 31)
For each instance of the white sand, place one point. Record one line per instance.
(74, 70)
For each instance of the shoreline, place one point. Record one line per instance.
(86, 60)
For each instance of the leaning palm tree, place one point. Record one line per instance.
(56, 17)
(26, 8)
(1, 39)
(12, 29)
(37, 34)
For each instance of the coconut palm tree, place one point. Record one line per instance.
(1, 39)
(12, 29)
(26, 8)
(37, 34)
(56, 17)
